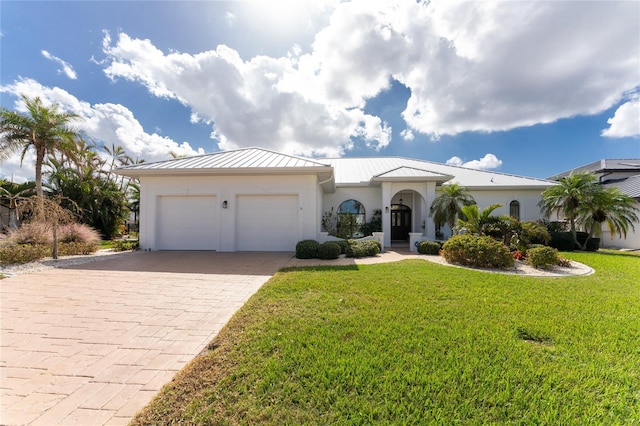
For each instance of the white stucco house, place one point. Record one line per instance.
(623, 174)
(255, 199)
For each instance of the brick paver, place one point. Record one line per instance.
(93, 343)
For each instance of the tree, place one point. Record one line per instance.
(566, 197)
(606, 205)
(14, 193)
(89, 189)
(480, 222)
(44, 129)
(446, 207)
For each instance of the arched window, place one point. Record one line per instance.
(351, 217)
(514, 209)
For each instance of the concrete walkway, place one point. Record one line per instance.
(93, 343)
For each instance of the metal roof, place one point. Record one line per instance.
(242, 159)
(402, 173)
(352, 171)
(604, 165)
(629, 186)
(345, 171)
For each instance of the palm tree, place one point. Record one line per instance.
(45, 129)
(567, 196)
(14, 193)
(480, 222)
(607, 205)
(446, 207)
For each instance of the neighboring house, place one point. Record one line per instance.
(624, 175)
(4, 215)
(254, 199)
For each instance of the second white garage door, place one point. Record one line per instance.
(187, 223)
(267, 222)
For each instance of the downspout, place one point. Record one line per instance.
(327, 180)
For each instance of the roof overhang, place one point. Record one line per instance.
(411, 174)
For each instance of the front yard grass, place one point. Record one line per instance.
(415, 342)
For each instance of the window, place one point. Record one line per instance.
(351, 217)
(514, 209)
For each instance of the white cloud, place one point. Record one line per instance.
(104, 123)
(470, 66)
(407, 135)
(249, 101)
(488, 162)
(67, 69)
(230, 18)
(625, 122)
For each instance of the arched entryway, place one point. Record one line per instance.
(400, 222)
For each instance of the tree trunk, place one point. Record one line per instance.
(13, 218)
(573, 233)
(55, 240)
(39, 192)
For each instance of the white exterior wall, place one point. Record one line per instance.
(369, 196)
(632, 241)
(529, 210)
(529, 199)
(414, 195)
(228, 188)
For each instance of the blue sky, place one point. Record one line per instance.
(531, 88)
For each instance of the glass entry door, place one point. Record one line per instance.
(400, 222)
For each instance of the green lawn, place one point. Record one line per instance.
(414, 342)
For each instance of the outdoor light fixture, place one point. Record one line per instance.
(386, 209)
(224, 204)
(400, 201)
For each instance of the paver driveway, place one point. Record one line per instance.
(93, 343)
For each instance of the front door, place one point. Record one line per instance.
(400, 222)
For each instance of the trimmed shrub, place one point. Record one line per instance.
(33, 233)
(543, 257)
(125, 245)
(593, 244)
(357, 249)
(563, 241)
(477, 251)
(429, 247)
(22, 253)
(75, 248)
(307, 249)
(78, 233)
(329, 250)
(343, 245)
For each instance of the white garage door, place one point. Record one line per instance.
(267, 222)
(187, 223)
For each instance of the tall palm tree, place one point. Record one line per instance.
(566, 197)
(44, 129)
(446, 207)
(607, 205)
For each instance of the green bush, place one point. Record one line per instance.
(329, 250)
(563, 241)
(593, 244)
(429, 247)
(22, 253)
(307, 249)
(75, 248)
(343, 245)
(359, 249)
(472, 250)
(543, 257)
(125, 245)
